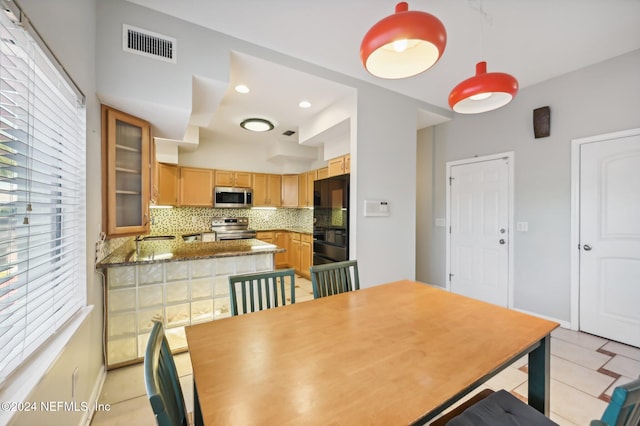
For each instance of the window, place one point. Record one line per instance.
(42, 196)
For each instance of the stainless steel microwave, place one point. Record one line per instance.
(227, 197)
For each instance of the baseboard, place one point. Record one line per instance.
(563, 324)
(95, 395)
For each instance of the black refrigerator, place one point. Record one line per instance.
(331, 220)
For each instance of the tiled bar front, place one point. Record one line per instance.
(178, 293)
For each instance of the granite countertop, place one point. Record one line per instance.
(299, 230)
(176, 249)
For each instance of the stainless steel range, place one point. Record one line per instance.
(232, 228)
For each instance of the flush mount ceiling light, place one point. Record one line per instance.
(483, 92)
(403, 44)
(241, 88)
(257, 125)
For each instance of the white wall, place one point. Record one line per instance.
(598, 99)
(68, 28)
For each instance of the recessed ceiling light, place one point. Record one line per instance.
(304, 104)
(241, 88)
(257, 125)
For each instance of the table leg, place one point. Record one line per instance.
(539, 376)
(197, 412)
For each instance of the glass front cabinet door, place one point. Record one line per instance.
(126, 173)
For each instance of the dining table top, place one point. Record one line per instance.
(388, 354)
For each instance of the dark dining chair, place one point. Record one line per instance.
(624, 408)
(261, 290)
(490, 408)
(162, 381)
(334, 278)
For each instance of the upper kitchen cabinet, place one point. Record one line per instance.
(290, 191)
(340, 165)
(196, 187)
(166, 186)
(267, 190)
(126, 174)
(305, 188)
(230, 178)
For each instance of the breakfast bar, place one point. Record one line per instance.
(169, 279)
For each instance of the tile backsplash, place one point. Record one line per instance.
(197, 219)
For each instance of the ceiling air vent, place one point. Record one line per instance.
(149, 44)
(288, 132)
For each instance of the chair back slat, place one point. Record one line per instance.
(624, 408)
(261, 290)
(162, 381)
(334, 278)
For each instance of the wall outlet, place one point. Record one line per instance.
(440, 222)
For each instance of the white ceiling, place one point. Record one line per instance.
(534, 40)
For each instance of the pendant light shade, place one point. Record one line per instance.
(403, 44)
(483, 92)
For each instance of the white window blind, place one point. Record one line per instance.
(42, 198)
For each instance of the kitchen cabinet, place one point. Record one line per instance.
(306, 255)
(305, 188)
(340, 165)
(281, 239)
(290, 191)
(166, 186)
(126, 173)
(230, 178)
(294, 254)
(322, 173)
(196, 187)
(301, 253)
(267, 190)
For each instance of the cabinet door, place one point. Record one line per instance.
(282, 240)
(303, 188)
(242, 179)
(311, 177)
(196, 187)
(306, 255)
(274, 190)
(229, 178)
(290, 191)
(322, 173)
(223, 178)
(167, 184)
(294, 254)
(336, 166)
(259, 190)
(126, 146)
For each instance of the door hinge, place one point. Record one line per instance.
(449, 228)
(451, 178)
(450, 277)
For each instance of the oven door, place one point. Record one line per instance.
(328, 253)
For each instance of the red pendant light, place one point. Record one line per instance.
(403, 44)
(483, 92)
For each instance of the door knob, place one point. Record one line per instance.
(587, 247)
(502, 241)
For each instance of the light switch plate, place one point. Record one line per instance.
(522, 226)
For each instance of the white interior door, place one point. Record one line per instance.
(610, 239)
(479, 230)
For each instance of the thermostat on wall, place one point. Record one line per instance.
(376, 208)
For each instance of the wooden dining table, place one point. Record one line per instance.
(393, 354)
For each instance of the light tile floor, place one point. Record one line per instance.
(584, 371)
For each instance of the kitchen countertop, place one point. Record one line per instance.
(173, 250)
(299, 230)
